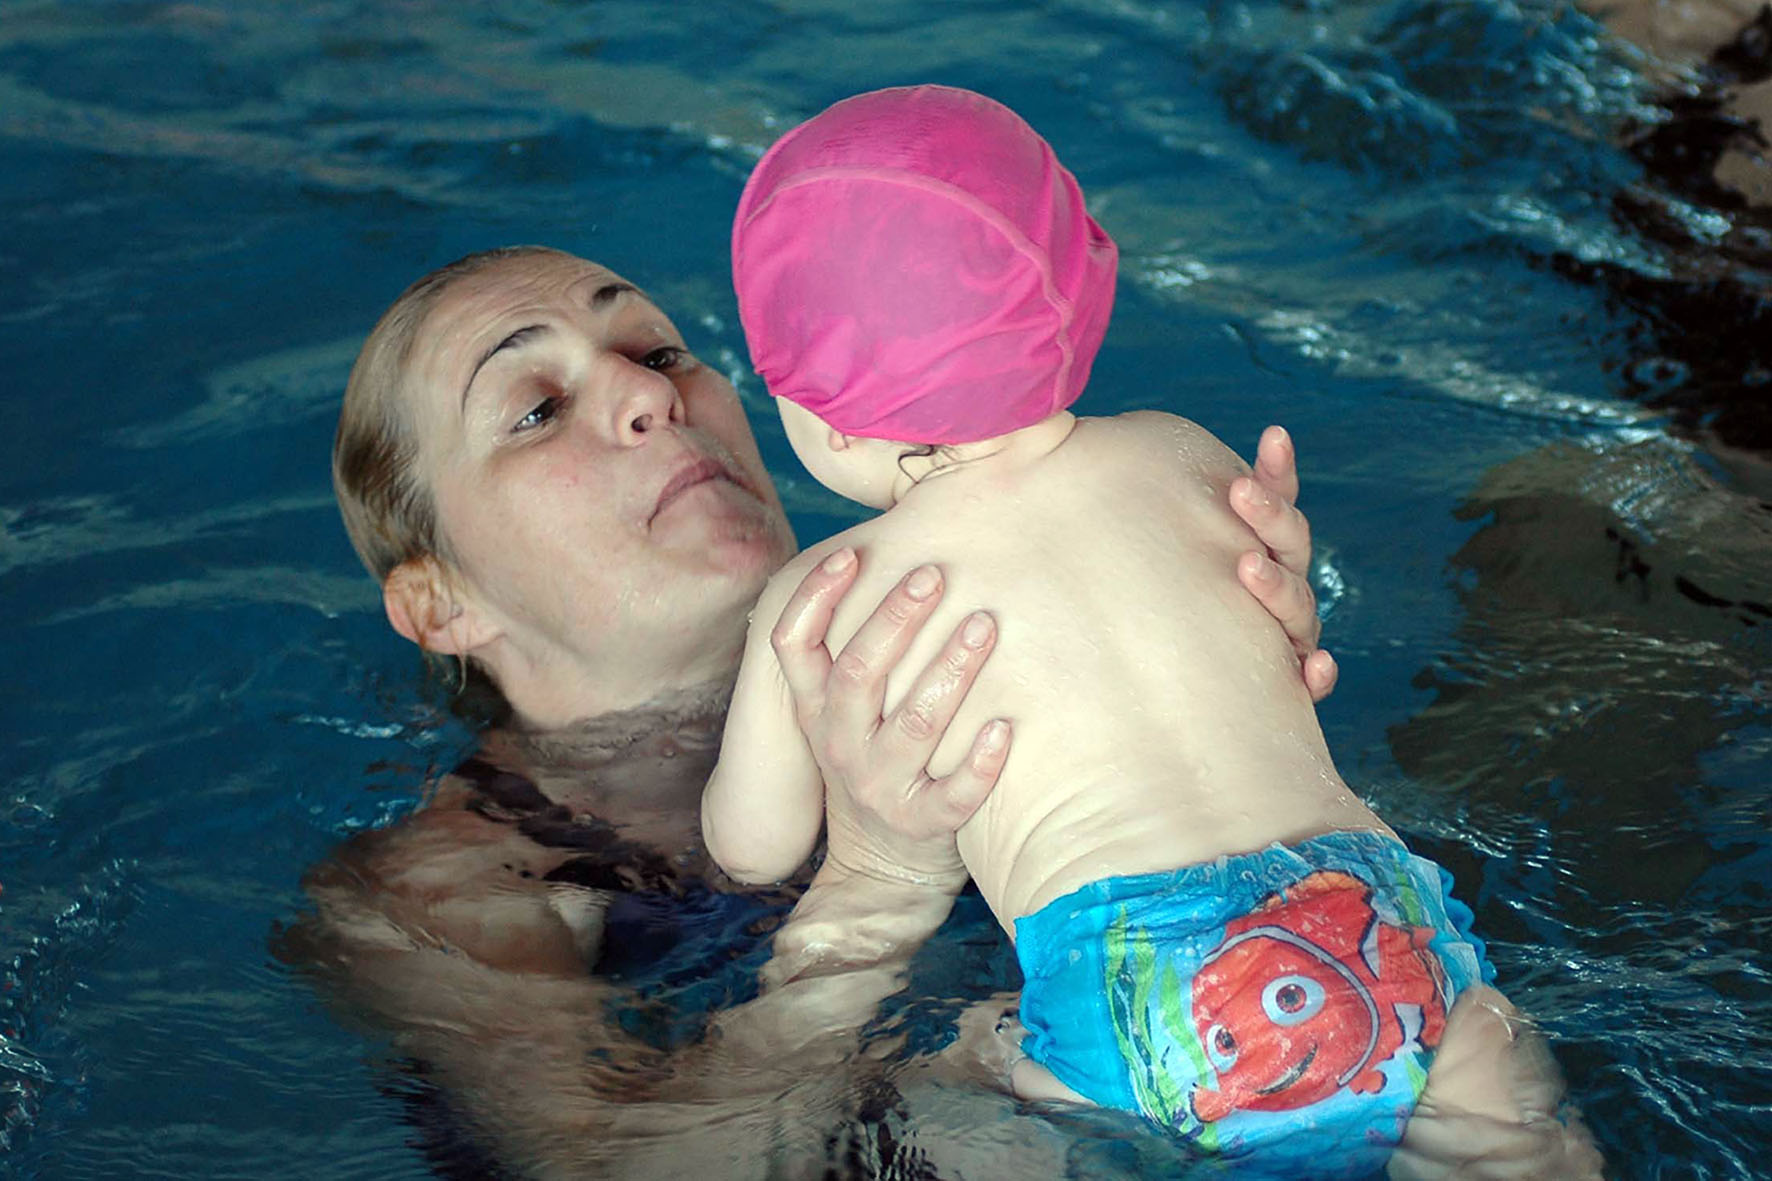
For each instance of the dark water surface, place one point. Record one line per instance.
(1389, 226)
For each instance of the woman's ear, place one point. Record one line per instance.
(422, 606)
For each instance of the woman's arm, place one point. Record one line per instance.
(422, 932)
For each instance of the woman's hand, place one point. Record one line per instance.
(886, 817)
(1279, 578)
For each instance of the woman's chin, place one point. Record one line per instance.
(731, 531)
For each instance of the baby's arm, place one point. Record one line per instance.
(763, 807)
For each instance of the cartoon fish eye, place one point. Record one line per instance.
(1221, 1047)
(1291, 1000)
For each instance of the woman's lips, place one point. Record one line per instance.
(687, 477)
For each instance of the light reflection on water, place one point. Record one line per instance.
(1343, 217)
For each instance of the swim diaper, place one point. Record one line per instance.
(915, 264)
(1280, 1007)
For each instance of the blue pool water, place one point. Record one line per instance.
(1375, 222)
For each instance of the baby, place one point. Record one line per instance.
(1213, 930)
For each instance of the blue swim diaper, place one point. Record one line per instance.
(1280, 1005)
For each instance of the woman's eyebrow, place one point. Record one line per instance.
(604, 294)
(517, 339)
(600, 299)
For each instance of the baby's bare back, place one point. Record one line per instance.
(1160, 718)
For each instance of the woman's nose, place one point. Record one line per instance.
(646, 400)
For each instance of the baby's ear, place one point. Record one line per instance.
(837, 440)
(422, 605)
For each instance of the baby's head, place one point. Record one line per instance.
(916, 265)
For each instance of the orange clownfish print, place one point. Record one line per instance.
(1301, 998)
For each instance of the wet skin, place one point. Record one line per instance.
(560, 414)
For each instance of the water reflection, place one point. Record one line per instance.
(1602, 719)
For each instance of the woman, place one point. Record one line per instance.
(549, 487)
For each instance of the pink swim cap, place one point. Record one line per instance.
(915, 264)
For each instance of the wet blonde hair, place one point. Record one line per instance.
(387, 507)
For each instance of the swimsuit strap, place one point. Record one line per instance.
(606, 861)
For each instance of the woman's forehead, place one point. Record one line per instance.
(474, 312)
(477, 301)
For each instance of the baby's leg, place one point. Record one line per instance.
(988, 1050)
(1492, 1107)
(1030, 1081)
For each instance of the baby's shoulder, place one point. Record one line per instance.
(782, 585)
(1158, 438)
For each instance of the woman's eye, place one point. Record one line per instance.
(540, 415)
(666, 357)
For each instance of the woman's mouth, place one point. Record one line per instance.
(689, 476)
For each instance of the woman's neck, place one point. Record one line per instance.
(631, 677)
(640, 769)
(694, 716)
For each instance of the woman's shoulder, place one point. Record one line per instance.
(426, 848)
(444, 877)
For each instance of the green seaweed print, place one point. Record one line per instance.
(1133, 980)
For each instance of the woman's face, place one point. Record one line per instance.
(598, 489)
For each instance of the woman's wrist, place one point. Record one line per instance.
(850, 919)
(909, 873)
(894, 847)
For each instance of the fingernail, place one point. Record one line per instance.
(839, 561)
(976, 631)
(922, 582)
(996, 734)
(1265, 570)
